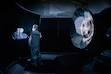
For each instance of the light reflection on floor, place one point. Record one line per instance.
(48, 67)
(17, 68)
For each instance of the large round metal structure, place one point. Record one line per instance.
(84, 28)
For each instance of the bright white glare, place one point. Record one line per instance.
(21, 30)
(19, 34)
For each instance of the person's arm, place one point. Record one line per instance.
(108, 32)
(26, 36)
(40, 35)
(29, 40)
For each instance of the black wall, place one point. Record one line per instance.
(8, 23)
(56, 35)
(102, 23)
(11, 17)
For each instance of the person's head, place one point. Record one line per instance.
(34, 27)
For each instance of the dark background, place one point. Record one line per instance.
(55, 31)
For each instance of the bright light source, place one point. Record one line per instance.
(18, 35)
(20, 30)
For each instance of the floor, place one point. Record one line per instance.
(62, 64)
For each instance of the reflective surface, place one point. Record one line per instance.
(84, 30)
(60, 8)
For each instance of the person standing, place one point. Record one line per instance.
(34, 44)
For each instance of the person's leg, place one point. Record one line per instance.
(38, 57)
(34, 56)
